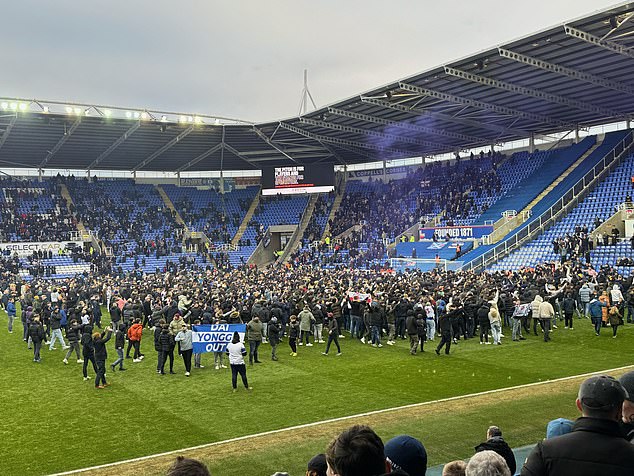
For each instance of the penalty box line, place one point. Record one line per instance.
(338, 419)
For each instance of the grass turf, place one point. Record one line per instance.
(55, 421)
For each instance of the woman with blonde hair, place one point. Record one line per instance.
(615, 318)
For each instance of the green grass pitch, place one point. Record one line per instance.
(53, 421)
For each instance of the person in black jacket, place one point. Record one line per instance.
(596, 445)
(101, 354)
(568, 307)
(119, 344)
(444, 323)
(411, 327)
(274, 336)
(333, 334)
(483, 322)
(73, 331)
(496, 443)
(157, 342)
(166, 344)
(87, 350)
(37, 335)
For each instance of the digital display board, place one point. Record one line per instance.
(297, 179)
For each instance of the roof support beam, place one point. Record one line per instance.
(485, 105)
(237, 153)
(202, 156)
(378, 135)
(165, 148)
(337, 141)
(264, 137)
(114, 145)
(404, 125)
(514, 88)
(7, 131)
(595, 40)
(446, 117)
(60, 142)
(569, 72)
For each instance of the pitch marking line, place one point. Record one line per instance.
(338, 419)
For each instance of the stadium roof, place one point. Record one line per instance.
(574, 75)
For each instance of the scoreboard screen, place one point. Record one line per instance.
(297, 179)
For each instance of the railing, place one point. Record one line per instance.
(566, 203)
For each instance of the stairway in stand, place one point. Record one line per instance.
(69, 204)
(246, 219)
(296, 239)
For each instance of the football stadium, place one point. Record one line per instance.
(433, 276)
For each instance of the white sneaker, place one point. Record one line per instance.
(80, 361)
(201, 366)
(141, 357)
(309, 345)
(65, 361)
(186, 374)
(86, 378)
(66, 347)
(223, 366)
(380, 345)
(300, 343)
(217, 367)
(136, 360)
(321, 341)
(389, 342)
(362, 340)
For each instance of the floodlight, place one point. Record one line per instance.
(182, 119)
(107, 112)
(69, 109)
(190, 119)
(128, 114)
(217, 121)
(22, 106)
(45, 109)
(163, 118)
(198, 120)
(13, 106)
(4, 105)
(144, 115)
(77, 111)
(136, 115)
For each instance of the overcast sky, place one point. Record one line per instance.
(245, 58)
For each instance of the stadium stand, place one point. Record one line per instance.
(600, 203)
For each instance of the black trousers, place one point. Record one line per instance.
(400, 327)
(89, 358)
(239, 369)
(137, 348)
(187, 359)
(568, 320)
(100, 379)
(292, 341)
(485, 327)
(333, 337)
(445, 340)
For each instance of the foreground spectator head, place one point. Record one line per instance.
(487, 463)
(454, 468)
(496, 443)
(627, 380)
(407, 454)
(317, 466)
(558, 427)
(357, 451)
(187, 467)
(601, 397)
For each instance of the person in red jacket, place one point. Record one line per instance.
(135, 332)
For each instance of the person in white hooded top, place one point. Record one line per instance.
(236, 352)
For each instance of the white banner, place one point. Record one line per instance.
(27, 248)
